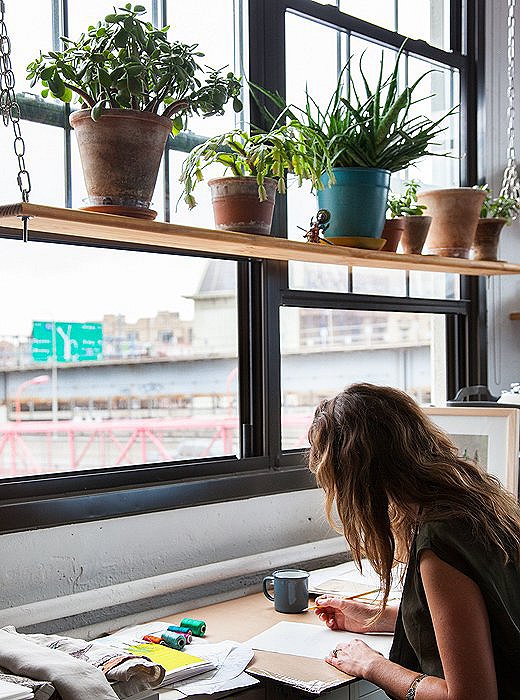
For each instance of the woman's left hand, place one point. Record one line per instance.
(353, 658)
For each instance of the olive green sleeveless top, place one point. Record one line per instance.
(454, 542)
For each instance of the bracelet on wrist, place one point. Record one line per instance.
(410, 695)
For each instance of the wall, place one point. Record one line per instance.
(503, 292)
(43, 564)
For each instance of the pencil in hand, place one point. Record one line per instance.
(349, 597)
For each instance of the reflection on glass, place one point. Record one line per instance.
(324, 350)
(434, 285)
(158, 384)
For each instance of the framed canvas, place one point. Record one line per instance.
(490, 436)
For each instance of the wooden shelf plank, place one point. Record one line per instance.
(77, 225)
(515, 316)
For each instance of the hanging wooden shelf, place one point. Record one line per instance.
(56, 224)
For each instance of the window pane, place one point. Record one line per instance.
(434, 285)
(160, 384)
(211, 25)
(323, 350)
(425, 19)
(44, 159)
(380, 12)
(439, 93)
(29, 25)
(84, 14)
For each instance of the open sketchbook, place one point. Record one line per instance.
(312, 641)
(178, 665)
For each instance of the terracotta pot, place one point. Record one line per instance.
(120, 155)
(392, 233)
(455, 213)
(485, 245)
(236, 206)
(414, 234)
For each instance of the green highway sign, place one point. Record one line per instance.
(66, 342)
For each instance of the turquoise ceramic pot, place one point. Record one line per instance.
(357, 202)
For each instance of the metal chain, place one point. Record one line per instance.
(9, 108)
(511, 181)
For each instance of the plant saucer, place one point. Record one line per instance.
(358, 242)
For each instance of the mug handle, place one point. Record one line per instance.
(265, 583)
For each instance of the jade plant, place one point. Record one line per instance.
(363, 125)
(406, 203)
(264, 154)
(500, 207)
(125, 62)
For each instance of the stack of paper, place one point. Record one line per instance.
(13, 691)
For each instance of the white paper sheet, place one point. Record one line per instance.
(12, 691)
(312, 641)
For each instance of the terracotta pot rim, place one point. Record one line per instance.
(452, 190)
(416, 216)
(235, 178)
(494, 219)
(113, 113)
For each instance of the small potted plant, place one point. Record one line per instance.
(254, 169)
(408, 220)
(134, 88)
(356, 142)
(455, 213)
(496, 212)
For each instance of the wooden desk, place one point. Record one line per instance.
(243, 618)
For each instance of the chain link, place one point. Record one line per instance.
(9, 108)
(511, 181)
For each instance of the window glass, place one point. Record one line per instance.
(84, 14)
(29, 25)
(212, 26)
(323, 350)
(44, 159)
(425, 19)
(111, 358)
(380, 12)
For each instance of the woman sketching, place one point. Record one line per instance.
(402, 494)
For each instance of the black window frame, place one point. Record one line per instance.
(262, 289)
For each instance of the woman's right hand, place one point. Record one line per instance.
(353, 615)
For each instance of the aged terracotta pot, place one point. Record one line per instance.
(455, 213)
(485, 245)
(392, 233)
(414, 234)
(120, 155)
(236, 206)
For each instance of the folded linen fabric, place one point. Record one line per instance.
(130, 674)
(74, 679)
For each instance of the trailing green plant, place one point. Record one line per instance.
(500, 207)
(362, 125)
(125, 62)
(261, 155)
(405, 204)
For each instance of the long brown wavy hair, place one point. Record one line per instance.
(387, 468)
